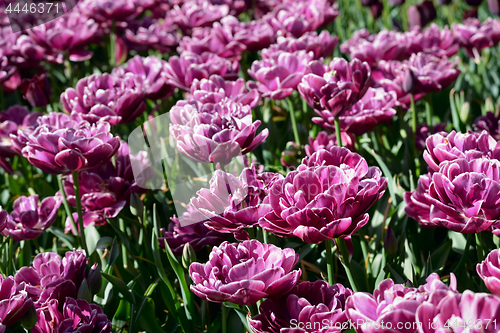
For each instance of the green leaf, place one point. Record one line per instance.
(458, 241)
(396, 277)
(439, 256)
(121, 287)
(113, 254)
(147, 319)
(387, 173)
(243, 317)
(67, 239)
(92, 237)
(104, 242)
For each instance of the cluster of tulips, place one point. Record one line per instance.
(353, 157)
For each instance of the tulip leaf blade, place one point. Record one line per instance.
(121, 287)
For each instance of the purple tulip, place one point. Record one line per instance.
(37, 90)
(494, 7)
(489, 272)
(152, 34)
(321, 45)
(216, 40)
(76, 316)
(386, 45)
(325, 141)
(189, 232)
(215, 89)
(147, 71)
(20, 49)
(105, 12)
(29, 219)
(475, 36)
(333, 89)
(422, 14)
(432, 40)
(244, 273)
(232, 204)
(295, 18)
(358, 37)
(326, 197)
(310, 306)
(14, 304)
(117, 100)
(183, 69)
(392, 307)
(196, 14)
(423, 133)
(215, 133)
(441, 147)
(4, 216)
(13, 119)
(375, 107)
(68, 35)
(104, 191)
(462, 196)
(80, 146)
(50, 278)
(467, 312)
(278, 75)
(6, 70)
(490, 123)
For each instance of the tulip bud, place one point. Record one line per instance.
(494, 6)
(470, 13)
(396, 2)
(94, 278)
(444, 2)
(30, 318)
(421, 14)
(290, 157)
(350, 246)
(368, 3)
(390, 242)
(36, 90)
(409, 81)
(377, 9)
(188, 255)
(474, 3)
(84, 291)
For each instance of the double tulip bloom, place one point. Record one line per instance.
(332, 89)
(14, 303)
(490, 123)
(215, 133)
(11, 120)
(326, 197)
(326, 141)
(309, 305)
(489, 272)
(244, 273)
(475, 36)
(321, 45)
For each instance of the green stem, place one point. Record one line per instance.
(294, 122)
(253, 310)
(66, 206)
(264, 236)
(124, 248)
(112, 45)
(76, 185)
(11, 257)
(338, 132)
(479, 247)
(225, 312)
(413, 116)
(464, 255)
(329, 261)
(69, 71)
(338, 23)
(429, 113)
(251, 233)
(344, 252)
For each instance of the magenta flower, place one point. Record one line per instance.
(50, 278)
(68, 35)
(182, 70)
(81, 146)
(147, 71)
(325, 141)
(244, 273)
(105, 12)
(326, 197)
(232, 204)
(104, 191)
(375, 107)
(476, 312)
(13, 119)
(6, 70)
(278, 75)
(76, 316)
(421, 14)
(462, 196)
(29, 218)
(14, 304)
(4, 216)
(117, 100)
(490, 123)
(193, 14)
(189, 232)
(489, 272)
(423, 133)
(357, 37)
(394, 305)
(310, 303)
(333, 89)
(386, 45)
(215, 89)
(20, 49)
(475, 36)
(295, 18)
(153, 34)
(37, 90)
(432, 40)
(215, 133)
(321, 45)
